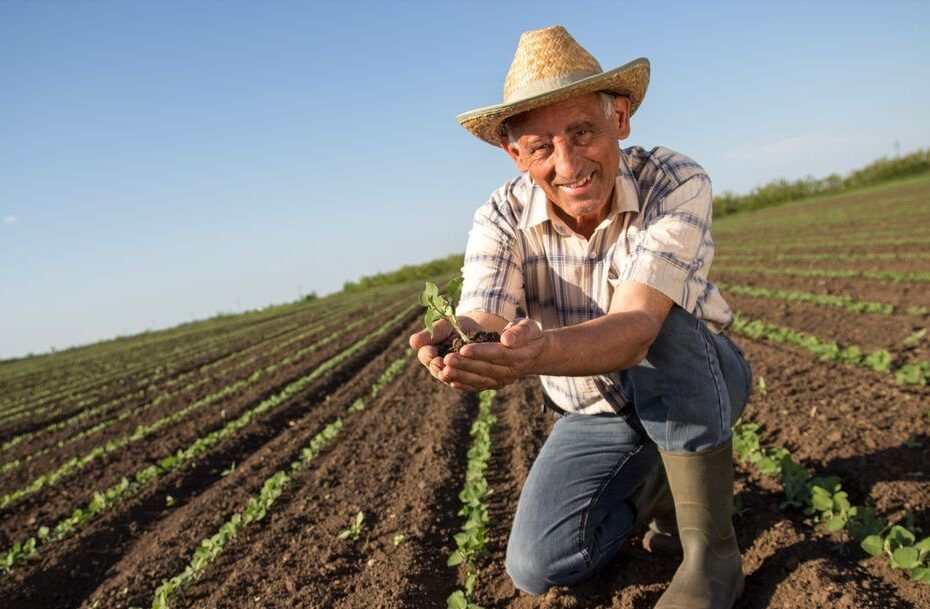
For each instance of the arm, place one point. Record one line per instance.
(610, 343)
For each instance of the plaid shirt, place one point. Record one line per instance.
(522, 257)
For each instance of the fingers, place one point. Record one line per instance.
(441, 331)
(458, 378)
(476, 366)
(488, 352)
(518, 334)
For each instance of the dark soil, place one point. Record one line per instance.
(455, 342)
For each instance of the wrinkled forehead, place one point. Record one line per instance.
(557, 117)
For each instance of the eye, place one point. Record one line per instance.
(539, 149)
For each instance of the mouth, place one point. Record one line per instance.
(576, 186)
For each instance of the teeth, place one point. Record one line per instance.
(577, 184)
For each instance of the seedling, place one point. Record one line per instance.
(169, 501)
(399, 539)
(440, 306)
(762, 388)
(355, 529)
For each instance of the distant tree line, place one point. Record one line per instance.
(428, 270)
(782, 191)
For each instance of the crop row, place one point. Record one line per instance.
(867, 236)
(844, 302)
(247, 356)
(219, 347)
(824, 499)
(258, 505)
(471, 541)
(75, 464)
(126, 487)
(829, 256)
(826, 245)
(880, 360)
(879, 275)
(191, 345)
(91, 362)
(209, 343)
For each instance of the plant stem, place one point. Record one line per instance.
(454, 322)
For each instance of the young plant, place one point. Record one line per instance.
(355, 529)
(439, 306)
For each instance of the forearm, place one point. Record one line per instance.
(610, 343)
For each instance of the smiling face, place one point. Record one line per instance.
(571, 150)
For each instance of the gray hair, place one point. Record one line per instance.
(607, 104)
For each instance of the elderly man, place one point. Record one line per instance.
(605, 252)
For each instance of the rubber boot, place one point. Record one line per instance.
(710, 576)
(655, 508)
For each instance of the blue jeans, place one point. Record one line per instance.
(575, 511)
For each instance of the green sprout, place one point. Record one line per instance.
(439, 306)
(355, 529)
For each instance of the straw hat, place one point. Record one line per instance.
(550, 66)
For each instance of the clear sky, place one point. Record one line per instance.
(164, 161)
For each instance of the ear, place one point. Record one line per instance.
(622, 116)
(514, 153)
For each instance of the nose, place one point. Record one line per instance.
(568, 162)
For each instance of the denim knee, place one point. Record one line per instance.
(695, 386)
(532, 571)
(527, 572)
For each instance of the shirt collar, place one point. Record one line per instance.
(625, 198)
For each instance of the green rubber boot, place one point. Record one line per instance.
(655, 509)
(710, 576)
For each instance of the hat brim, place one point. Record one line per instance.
(630, 79)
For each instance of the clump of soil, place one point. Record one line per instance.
(454, 342)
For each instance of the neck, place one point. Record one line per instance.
(585, 225)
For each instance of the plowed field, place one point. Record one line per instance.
(224, 463)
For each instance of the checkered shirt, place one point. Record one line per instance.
(522, 260)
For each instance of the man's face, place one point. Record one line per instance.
(571, 150)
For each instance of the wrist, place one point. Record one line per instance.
(542, 362)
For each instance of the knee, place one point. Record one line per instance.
(526, 572)
(534, 572)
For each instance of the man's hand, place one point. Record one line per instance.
(480, 366)
(427, 346)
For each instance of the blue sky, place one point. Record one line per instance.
(165, 161)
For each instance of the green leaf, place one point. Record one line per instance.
(455, 559)
(431, 317)
(835, 523)
(454, 289)
(821, 500)
(921, 574)
(873, 545)
(457, 600)
(905, 557)
(899, 536)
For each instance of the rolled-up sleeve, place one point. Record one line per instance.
(492, 273)
(667, 252)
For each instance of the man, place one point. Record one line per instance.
(606, 251)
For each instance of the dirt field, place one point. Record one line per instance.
(162, 439)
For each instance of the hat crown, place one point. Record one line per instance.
(545, 59)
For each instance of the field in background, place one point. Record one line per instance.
(224, 463)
